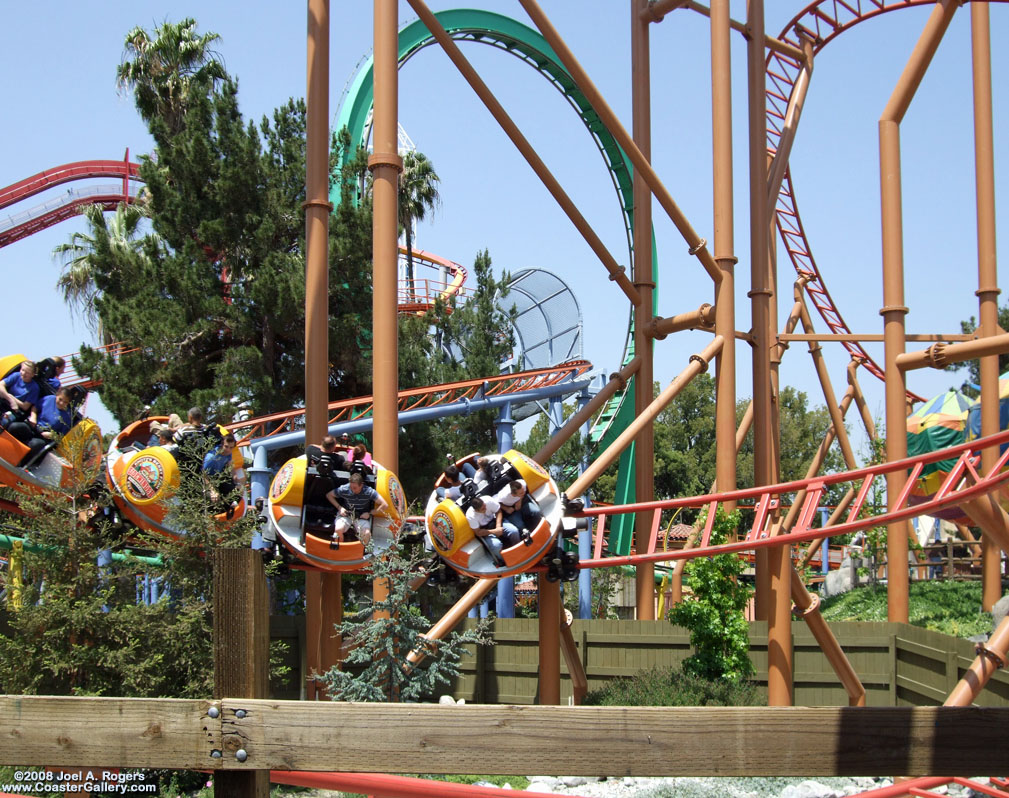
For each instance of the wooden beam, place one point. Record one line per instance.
(426, 738)
(241, 654)
(108, 732)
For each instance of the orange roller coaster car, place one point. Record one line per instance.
(449, 532)
(304, 519)
(72, 461)
(143, 479)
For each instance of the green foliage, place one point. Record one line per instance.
(685, 441)
(802, 431)
(669, 687)
(714, 616)
(458, 340)
(685, 450)
(384, 632)
(952, 608)
(82, 631)
(167, 70)
(214, 296)
(604, 584)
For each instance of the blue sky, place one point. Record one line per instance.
(62, 105)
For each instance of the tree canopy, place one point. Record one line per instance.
(213, 295)
(456, 340)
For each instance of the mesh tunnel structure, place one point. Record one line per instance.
(548, 320)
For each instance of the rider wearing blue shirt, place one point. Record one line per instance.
(55, 415)
(19, 389)
(219, 462)
(19, 394)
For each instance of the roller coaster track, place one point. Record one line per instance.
(55, 210)
(517, 40)
(417, 298)
(522, 42)
(820, 22)
(963, 483)
(414, 398)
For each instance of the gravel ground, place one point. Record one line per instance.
(699, 787)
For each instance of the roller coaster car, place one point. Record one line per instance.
(144, 478)
(303, 518)
(450, 535)
(72, 464)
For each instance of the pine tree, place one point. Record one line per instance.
(214, 297)
(383, 634)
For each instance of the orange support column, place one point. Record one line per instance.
(987, 271)
(725, 302)
(894, 310)
(317, 210)
(385, 165)
(644, 444)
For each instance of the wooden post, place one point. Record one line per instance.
(241, 657)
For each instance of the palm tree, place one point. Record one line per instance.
(164, 70)
(77, 281)
(418, 194)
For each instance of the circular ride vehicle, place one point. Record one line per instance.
(449, 531)
(70, 463)
(305, 520)
(143, 479)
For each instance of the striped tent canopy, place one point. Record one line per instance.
(938, 424)
(947, 410)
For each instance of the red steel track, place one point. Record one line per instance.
(429, 396)
(78, 170)
(821, 22)
(108, 196)
(964, 482)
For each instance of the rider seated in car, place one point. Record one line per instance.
(520, 511)
(50, 370)
(356, 502)
(219, 461)
(55, 418)
(55, 414)
(452, 489)
(19, 396)
(484, 517)
(324, 457)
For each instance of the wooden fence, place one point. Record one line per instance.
(900, 665)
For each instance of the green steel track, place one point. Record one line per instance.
(522, 42)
